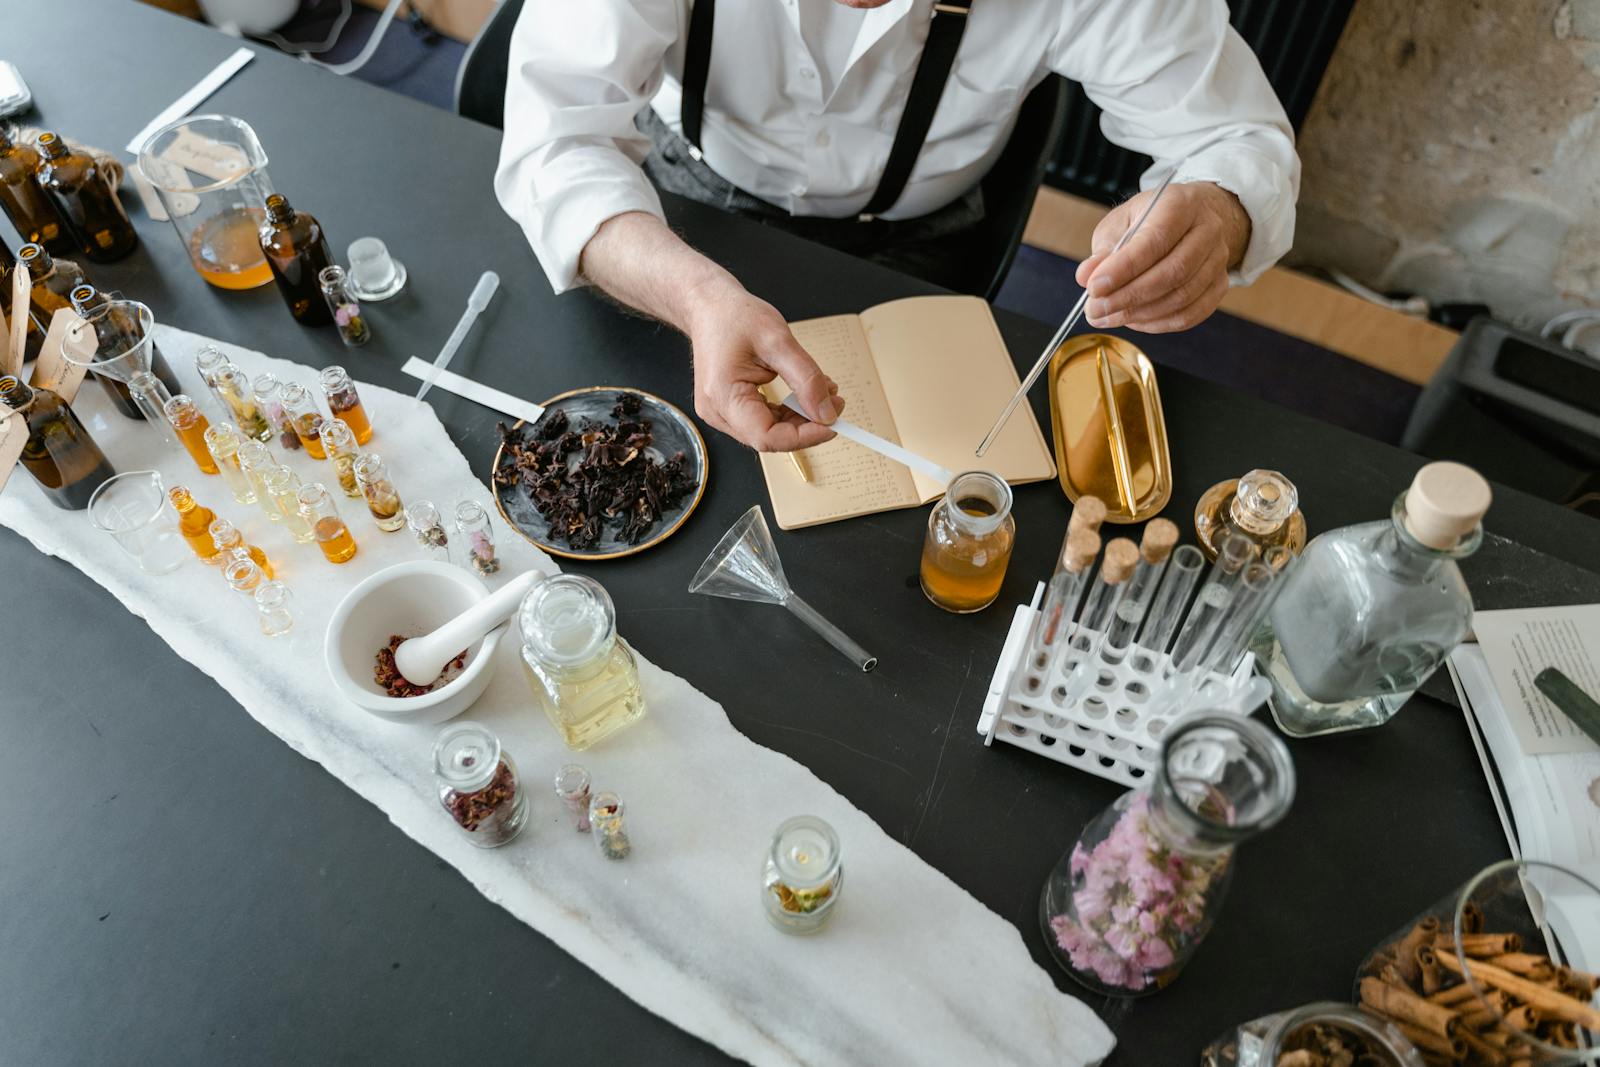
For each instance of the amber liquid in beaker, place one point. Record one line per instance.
(226, 249)
(964, 574)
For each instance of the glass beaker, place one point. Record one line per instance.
(211, 174)
(133, 509)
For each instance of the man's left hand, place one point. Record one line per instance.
(1173, 273)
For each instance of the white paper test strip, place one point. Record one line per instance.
(884, 447)
(478, 393)
(194, 97)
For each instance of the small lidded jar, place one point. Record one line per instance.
(382, 499)
(580, 671)
(477, 784)
(345, 402)
(970, 536)
(803, 875)
(339, 442)
(1263, 505)
(472, 523)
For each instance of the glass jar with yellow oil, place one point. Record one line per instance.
(970, 536)
(581, 672)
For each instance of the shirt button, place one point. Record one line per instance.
(823, 139)
(807, 73)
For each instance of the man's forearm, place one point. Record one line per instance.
(637, 260)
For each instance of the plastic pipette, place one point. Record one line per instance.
(482, 293)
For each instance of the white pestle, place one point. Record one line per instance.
(422, 659)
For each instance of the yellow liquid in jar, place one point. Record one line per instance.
(587, 708)
(962, 573)
(355, 417)
(334, 538)
(226, 249)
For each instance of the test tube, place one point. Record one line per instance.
(1166, 611)
(1214, 605)
(1061, 597)
(1121, 560)
(222, 441)
(256, 460)
(1155, 548)
(1254, 596)
(150, 395)
(208, 361)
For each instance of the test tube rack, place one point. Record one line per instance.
(1110, 732)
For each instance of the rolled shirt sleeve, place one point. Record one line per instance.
(570, 157)
(1171, 75)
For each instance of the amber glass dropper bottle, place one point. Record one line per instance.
(83, 196)
(297, 251)
(24, 202)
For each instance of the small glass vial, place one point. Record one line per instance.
(428, 528)
(382, 499)
(345, 402)
(272, 608)
(243, 575)
(580, 671)
(339, 443)
(970, 535)
(302, 409)
(256, 460)
(803, 875)
(331, 533)
(222, 441)
(477, 784)
(342, 304)
(1263, 505)
(194, 523)
(283, 485)
(572, 789)
(208, 361)
(191, 428)
(234, 387)
(266, 389)
(226, 536)
(606, 824)
(472, 522)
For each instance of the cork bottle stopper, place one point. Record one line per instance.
(1160, 538)
(1122, 556)
(1446, 502)
(1080, 550)
(1087, 514)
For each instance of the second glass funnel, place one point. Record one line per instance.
(124, 357)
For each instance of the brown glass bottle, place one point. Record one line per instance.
(33, 339)
(60, 454)
(297, 251)
(24, 202)
(83, 197)
(53, 280)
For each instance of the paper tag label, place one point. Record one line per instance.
(21, 291)
(216, 161)
(51, 370)
(13, 436)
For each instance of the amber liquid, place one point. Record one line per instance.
(193, 435)
(966, 576)
(30, 211)
(195, 526)
(355, 417)
(261, 560)
(296, 254)
(308, 428)
(387, 511)
(345, 467)
(226, 249)
(60, 454)
(333, 537)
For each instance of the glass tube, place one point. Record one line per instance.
(1160, 536)
(1253, 596)
(256, 459)
(1061, 597)
(272, 608)
(208, 361)
(1213, 606)
(239, 395)
(283, 485)
(1116, 571)
(191, 425)
(222, 441)
(1166, 611)
(339, 442)
(150, 395)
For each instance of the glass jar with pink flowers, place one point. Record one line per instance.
(1130, 902)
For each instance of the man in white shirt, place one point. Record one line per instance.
(795, 121)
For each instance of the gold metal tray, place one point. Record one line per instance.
(1116, 451)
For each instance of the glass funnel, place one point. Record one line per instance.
(123, 356)
(745, 566)
(211, 174)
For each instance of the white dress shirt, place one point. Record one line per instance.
(1169, 74)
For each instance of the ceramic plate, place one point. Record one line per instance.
(673, 432)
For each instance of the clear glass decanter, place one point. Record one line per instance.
(1371, 610)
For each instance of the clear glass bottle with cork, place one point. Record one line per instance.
(83, 196)
(1263, 505)
(969, 541)
(1371, 610)
(582, 674)
(59, 453)
(297, 252)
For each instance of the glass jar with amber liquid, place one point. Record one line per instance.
(970, 537)
(194, 523)
(345, 402)
(59, 453)
(83, 196)
(297, 252)
(1264, 506)
(582, 674)
(24, 202)
(317, 507)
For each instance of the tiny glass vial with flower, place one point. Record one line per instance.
(968, 545)
(332, 535)
(191, 426)
(256, 460)
(266, 389)
(226, 536)
(339, 442)
(222, 441)
(304, 414)
(388, 511)
(1128, 905)
(803, 875)
(606, 824)
(235, 389)
(428, 528)
(353, 328)
(477, 784)
(283, 485)
(272, 609)
(472, 522)
(345, 402)
(572, 789)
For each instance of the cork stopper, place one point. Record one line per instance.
(1080, 550)
(1446, 502)
(1122, 556)
(1087, 514)
(1160, 538)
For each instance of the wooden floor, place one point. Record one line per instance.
(1285, 300)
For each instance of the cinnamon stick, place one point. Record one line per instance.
(1585, 983)
(1485, 1052)
(1547, 1001)
(1429, 1041)
(1406, 951)
(1385, 999)
(1471, 918)
(1480, 946)
(1526, 964)
(1429, 970)
(1455, 994)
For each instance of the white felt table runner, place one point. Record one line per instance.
(911, 970)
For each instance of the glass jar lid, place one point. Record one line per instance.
(1264, 501)
(466, 756)
(805, 852)
(567, 620)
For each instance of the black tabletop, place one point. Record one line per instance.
(180, 887)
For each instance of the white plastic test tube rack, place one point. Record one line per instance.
(1110, 731)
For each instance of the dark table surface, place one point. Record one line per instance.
(179, 887)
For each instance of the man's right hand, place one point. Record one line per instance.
(740, 344)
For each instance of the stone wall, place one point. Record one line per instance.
(1454, 150)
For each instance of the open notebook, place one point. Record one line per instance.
(929, 373)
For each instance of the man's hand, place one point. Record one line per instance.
(1173, 273)
(740, 344)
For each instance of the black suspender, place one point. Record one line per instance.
(927, 86)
